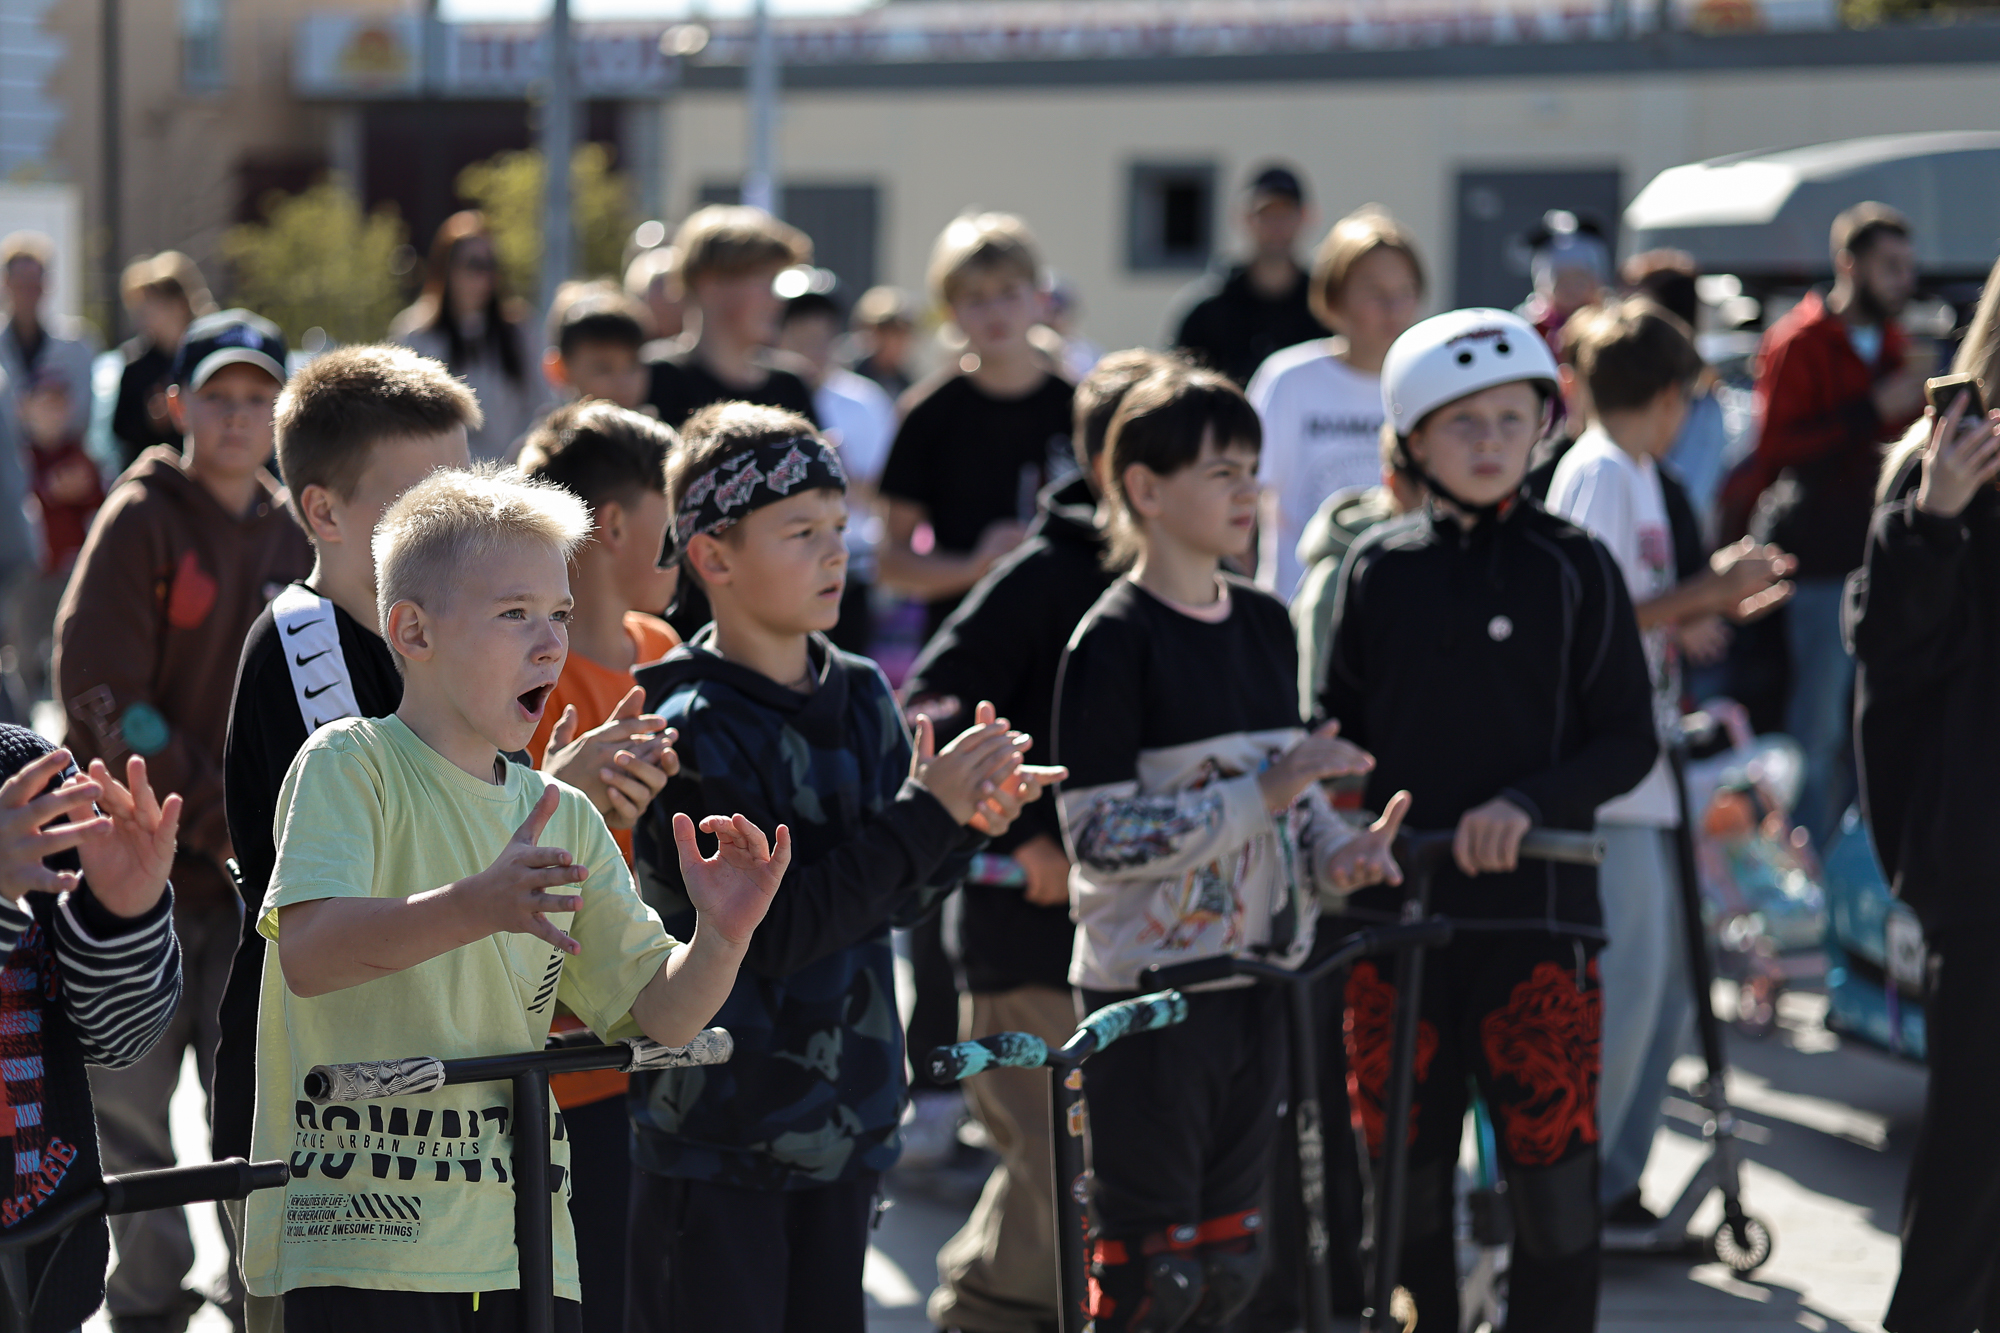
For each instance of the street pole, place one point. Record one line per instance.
(558, 134)
(114, 204)
(760, 181)
(433, 196)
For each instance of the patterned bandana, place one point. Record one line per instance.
(727, 492)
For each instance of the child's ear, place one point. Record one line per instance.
(610, 525)
(407, 631)
(314, 506)
(1142, 489)
(553, 369)
(177, 407)
(709, 555)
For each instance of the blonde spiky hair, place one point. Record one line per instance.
(456, 517)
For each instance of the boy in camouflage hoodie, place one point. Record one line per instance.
(757, 1178)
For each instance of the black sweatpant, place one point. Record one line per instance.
(706, 1257)
(348, 1309)
(1182, 1121)
(1521, 1014)
(1951, 1212)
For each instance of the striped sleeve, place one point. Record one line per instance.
(121, 980)
(14, 922)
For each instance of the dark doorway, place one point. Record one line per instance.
(1497, 208)
(412, 152)
(843, 221)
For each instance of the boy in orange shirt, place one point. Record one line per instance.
(615, 462)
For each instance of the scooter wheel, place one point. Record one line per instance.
(1744, 1248)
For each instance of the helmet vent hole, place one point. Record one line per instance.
(1504, 348)
(1465, 358)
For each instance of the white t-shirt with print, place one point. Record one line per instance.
(1617, 499)
(1322, 433)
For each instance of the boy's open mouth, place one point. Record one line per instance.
(531, 701)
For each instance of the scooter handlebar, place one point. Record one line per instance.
(232, 1178)
(1428, 850)
(1143, 1013)
(1002, 1050)
(1198, 972)
(711, 1046)
(371, 1079)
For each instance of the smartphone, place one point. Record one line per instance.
(1943, 391)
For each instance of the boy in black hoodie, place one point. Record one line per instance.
(1486, 653)
(1004, 643)
(757, 1179)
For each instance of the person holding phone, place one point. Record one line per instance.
(1924, 618)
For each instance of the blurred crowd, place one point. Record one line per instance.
(1734, 498)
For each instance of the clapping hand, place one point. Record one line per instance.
(26, 808)
(127, 858)
(733, 889)
(1369, 859)
(967, 775)
(620, 764)
(1311, 759)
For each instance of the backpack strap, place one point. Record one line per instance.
(309, 636)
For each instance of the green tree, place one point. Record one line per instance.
(317, 260)
(508, 189)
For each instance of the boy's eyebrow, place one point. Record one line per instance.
(520, 598)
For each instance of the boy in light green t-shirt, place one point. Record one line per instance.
(432, 899)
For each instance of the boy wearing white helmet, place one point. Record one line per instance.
(1486, 653)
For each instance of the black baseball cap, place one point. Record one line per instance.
(1277, 179)
(228, 338)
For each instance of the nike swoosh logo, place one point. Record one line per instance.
(314, 694)
(294, 629)
(314, 658)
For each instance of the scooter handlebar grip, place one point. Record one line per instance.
(1002, 1050)
(371, 1079)
(1570, 848)
(711, 1046)
(1145, 1013)
(1201, 970)
(232, 1178)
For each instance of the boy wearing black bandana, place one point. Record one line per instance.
(756, 1183)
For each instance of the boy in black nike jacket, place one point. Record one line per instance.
(1487, 654)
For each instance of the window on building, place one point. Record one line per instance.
(1171, 216)
(204, 53)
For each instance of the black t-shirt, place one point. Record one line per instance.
(1141, 677)
(1232, 326)
(266, 733)
(971, 459)
(682, 385)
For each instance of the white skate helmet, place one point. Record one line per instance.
(1461, 352)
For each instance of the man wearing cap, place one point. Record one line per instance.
(189, 546)
(1570, 261)
(1239, 317)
